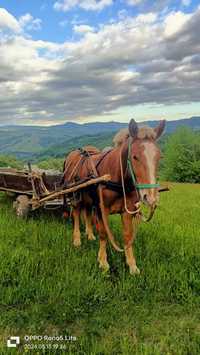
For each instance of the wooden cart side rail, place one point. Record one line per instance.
(36, 202)
(14, 173)
(7, 189)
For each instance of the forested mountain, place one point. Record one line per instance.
(30, 141)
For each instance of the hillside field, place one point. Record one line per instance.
(49, 288)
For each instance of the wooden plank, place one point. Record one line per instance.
(35, 195)
(12, 173)
(4, 189)
(37, 203)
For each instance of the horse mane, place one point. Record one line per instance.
(144, 132)
(106, 149)
(121, 137)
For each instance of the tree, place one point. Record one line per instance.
(10, 161)
(182, 156)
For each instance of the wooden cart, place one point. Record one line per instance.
(35, 189)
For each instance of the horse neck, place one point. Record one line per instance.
(123, 152)
(112, 163)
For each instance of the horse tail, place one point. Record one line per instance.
(105, 222)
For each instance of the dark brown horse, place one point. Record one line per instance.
(132, 166)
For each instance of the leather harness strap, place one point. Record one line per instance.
(110, 185)
(102, 157)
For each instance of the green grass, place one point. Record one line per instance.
(48, 287)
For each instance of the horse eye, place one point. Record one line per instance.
(135, 158)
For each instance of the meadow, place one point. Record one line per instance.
(49, 288)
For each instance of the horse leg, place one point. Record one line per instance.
(129, 233)
(87, 213)
(76, 231)
(102, 254)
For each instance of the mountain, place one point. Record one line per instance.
(29, 141)
(171, 126)
(25, 141)
(60, 150)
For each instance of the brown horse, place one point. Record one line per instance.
(132, 165)
(71, 174)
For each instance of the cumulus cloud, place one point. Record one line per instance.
(82, 29)
(28, 23)
(174, 22)
(7, 21)
(89, 5)
(138, 60)
(25, 23)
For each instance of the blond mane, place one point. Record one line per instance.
(121, 137)
(144, 132)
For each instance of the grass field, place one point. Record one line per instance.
(49, 288)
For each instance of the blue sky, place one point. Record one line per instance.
(58, 25)
(99, 60)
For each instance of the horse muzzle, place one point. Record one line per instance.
(150, 198)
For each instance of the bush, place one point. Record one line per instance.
(51, 163)
(11, 162)
(182, 156)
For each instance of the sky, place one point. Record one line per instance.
(98, 60)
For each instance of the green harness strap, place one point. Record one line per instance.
(130, 168)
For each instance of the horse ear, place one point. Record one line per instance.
(133, 128)
(160, 128)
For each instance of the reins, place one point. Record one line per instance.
(124, 191)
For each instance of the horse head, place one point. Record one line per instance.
(144, 157)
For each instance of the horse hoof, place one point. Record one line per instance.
(134, 270)
(77, 243)
(91, 237)
(104, 267)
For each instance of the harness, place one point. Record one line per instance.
(112, 185)
(118, 187)
(131, 170)
(137, 186)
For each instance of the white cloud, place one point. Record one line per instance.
(147, 18)
(138, 60)
(82, 29)
(14, 25)
(89, 5)
(27, 22)
(7, 21)
(174, 22)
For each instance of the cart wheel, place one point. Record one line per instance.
(22, 206)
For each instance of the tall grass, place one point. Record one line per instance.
(48, 287)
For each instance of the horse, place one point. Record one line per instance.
(77, 209)
(133, 166)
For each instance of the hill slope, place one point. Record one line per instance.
(28, 141)
(50, 288)
(60, 150)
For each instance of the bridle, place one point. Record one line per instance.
(132, 173)
(137, 186)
